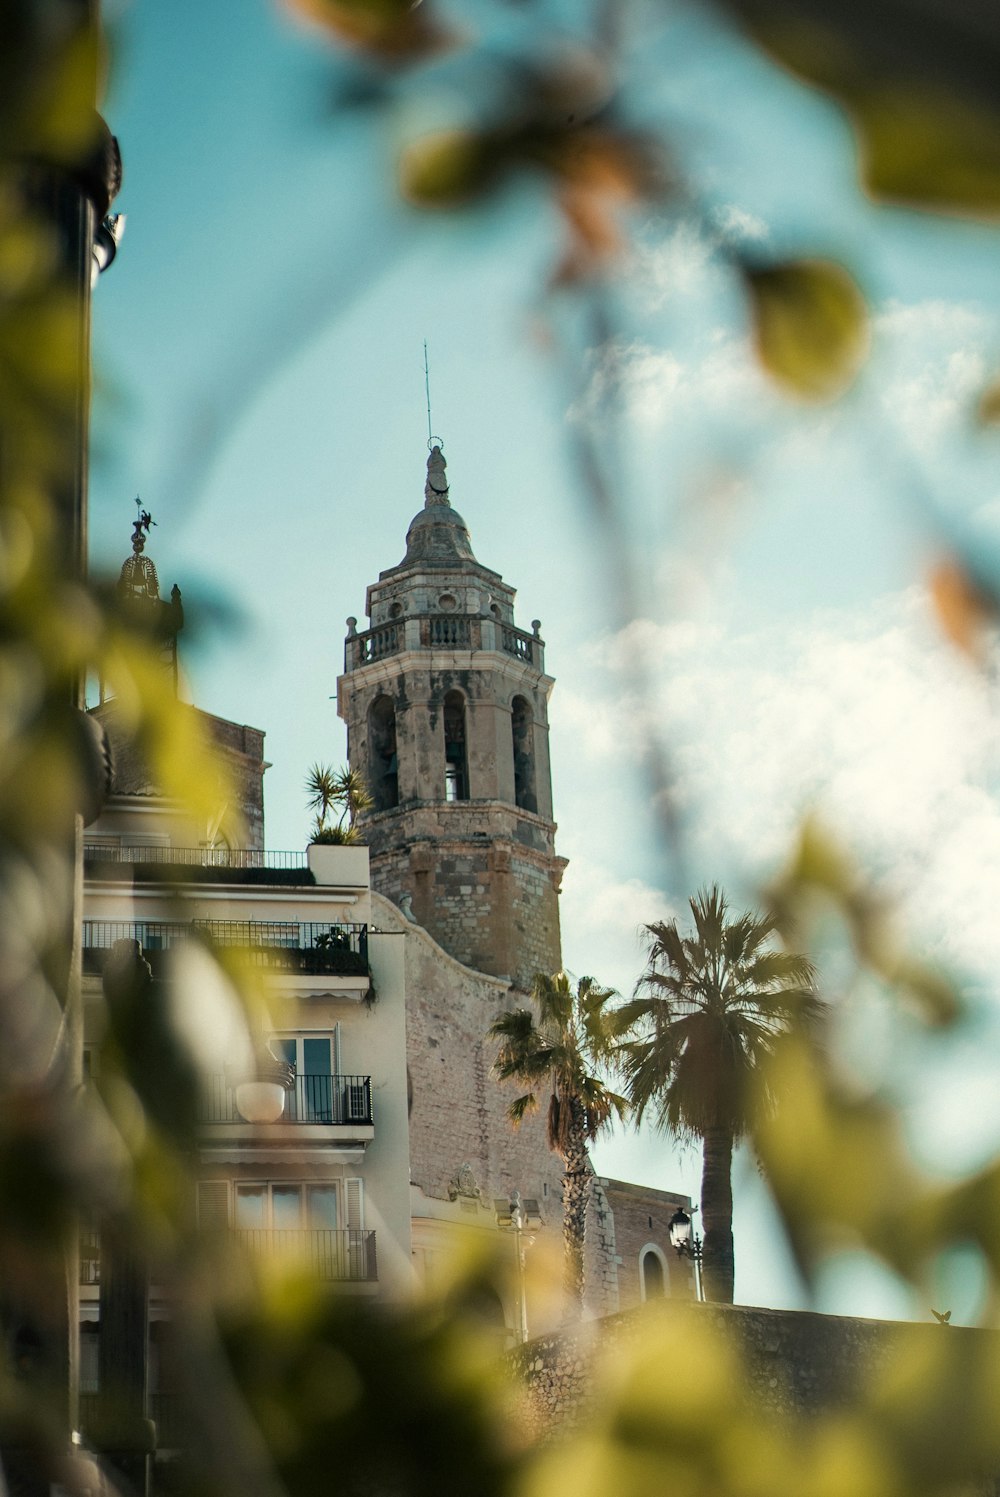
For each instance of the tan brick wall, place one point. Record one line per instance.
(642, 1217)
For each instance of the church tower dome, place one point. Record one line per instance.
(446, 705)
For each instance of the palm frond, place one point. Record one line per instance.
(520, 1107)
(562, 1043)
(707, 1012)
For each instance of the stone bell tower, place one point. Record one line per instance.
(446, 706)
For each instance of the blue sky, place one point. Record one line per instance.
(259, 347)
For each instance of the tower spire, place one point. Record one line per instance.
(139, 590)
(427, 390)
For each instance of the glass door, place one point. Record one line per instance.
(312, 1101)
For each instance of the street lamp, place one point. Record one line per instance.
(523, 1218)
(687, 1244)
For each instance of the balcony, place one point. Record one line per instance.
(375, 644)
(333, 1100)
(446, 632)
(295, 947)
(441, 632)
(515, 642)
(218, 865)
(346, 1254)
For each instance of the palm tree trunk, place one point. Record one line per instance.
(717, 1215)
(576, 1191)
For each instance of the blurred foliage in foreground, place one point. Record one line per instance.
(287, 1389)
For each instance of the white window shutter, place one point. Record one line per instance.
(213, 1204)
(337, 1067)
(354, 1190)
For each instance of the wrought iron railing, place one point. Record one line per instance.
(314, 1099)
(240, 858)
(308, 947)
(347, 1253)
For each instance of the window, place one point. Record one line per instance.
(383, 763)
(213, 1204)
(282, 1205)
(316, 1060)
(456, 766)
(524, 761)
(286, 1206)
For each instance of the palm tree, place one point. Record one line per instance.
(561, 1049)
(336, 789)
(708, 1011)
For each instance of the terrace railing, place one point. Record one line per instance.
(345, 1254)
(238, 858)
(314, 1099)
(306, 947)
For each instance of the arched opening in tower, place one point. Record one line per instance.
(456, 764)
(524, 760)
(651, 1267)
(383, 765)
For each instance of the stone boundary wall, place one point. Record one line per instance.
(799, 1361)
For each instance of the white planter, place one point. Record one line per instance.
(342, 867)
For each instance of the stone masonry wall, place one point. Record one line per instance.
(600, 1257)
(797, 1361)
(494, 906)
(458, 1113)
(459, 1109)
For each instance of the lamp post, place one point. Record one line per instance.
(523, 1219)
(687, 1244)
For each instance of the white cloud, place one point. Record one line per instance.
(594, 900)
(870, 721)
(737, 225)
(679, 265)
(943, 322)
(686, 262)
(660, 388)
(932, 363)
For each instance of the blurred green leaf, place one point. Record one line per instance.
(810, 325)
(392, 31)
(918, 82)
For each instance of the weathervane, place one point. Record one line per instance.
(138, 575)
(140, 525)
